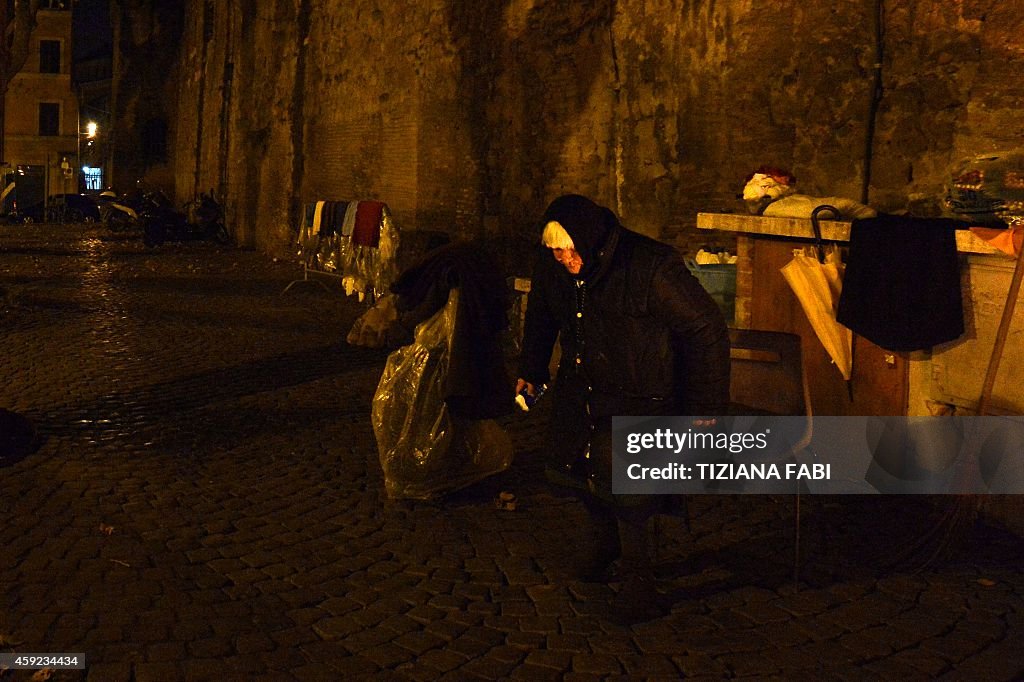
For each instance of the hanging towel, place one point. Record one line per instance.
(325, 219)
(334, 215)
(349, 222)
(318, 216)
(901, 290)
(340, 207)
(366, 231)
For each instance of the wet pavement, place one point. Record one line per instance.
(207, 504)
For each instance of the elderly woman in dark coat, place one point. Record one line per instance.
(639, 336)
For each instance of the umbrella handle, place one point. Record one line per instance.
(817, 228)
(821, 258)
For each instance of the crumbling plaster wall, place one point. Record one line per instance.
(147, 37)
(240, 126)
(712, 90)
(470, 117)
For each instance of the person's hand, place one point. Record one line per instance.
(521, 384)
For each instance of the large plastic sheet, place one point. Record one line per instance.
(424, 452)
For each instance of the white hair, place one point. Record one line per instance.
(555, 236)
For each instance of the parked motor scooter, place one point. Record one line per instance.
(118, 214)
(161, 222)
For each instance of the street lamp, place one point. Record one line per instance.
(87, 154)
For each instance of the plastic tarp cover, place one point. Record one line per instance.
(988, 187)
(370, 329)
(424, 452)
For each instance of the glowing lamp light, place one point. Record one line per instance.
(90, 129)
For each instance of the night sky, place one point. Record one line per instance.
(92, 27)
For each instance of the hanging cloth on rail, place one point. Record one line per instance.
(901, 290)
(333, 217)
(366, 231)
(349, 221)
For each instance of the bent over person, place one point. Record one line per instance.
(639, 336)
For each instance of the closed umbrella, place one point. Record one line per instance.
(816, 277)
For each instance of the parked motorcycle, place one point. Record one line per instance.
(203, 219)
(206, 215)
(118, 213)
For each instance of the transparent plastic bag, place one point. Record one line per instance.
(375, 266)
(988, 187)
(370, 329)
(424, 452)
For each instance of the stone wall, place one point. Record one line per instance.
(244, 91)
(144, 92)
(470, 117)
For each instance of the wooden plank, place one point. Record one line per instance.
(831, 230)
(800, 228)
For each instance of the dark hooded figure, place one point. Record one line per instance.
(639, 336)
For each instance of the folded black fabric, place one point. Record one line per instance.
(901, 290)
(477, 384)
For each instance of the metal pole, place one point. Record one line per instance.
(1001, 334)
(78, 142)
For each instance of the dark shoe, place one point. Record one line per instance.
(638, 601)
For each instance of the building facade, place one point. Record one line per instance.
(41, 136)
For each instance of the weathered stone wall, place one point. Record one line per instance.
(714, 90)
(464, 117)
(470, 117)
(147, 40)
(247, 113)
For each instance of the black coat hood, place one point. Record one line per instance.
(590, 226)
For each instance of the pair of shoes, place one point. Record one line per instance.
(638, 601)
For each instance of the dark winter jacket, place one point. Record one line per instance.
(477, 384)
(639, 335)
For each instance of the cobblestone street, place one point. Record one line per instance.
(207, 504)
